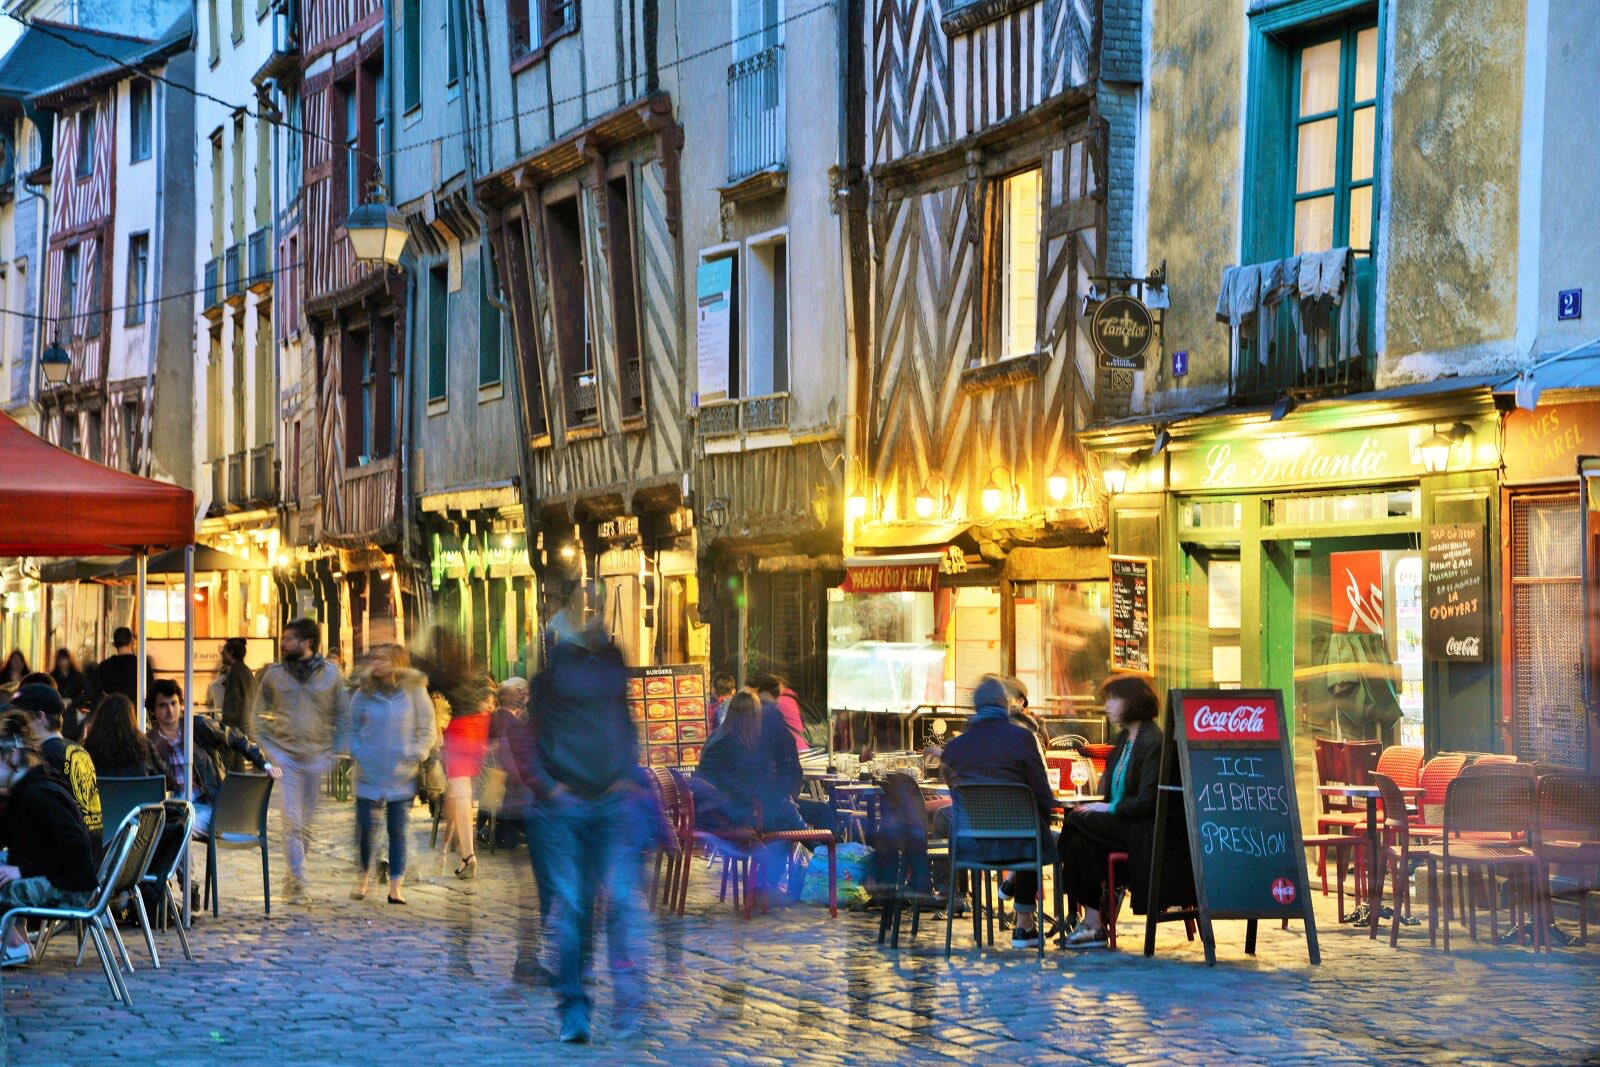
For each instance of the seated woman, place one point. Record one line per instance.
(751, 758)
(115, 744)
(1125, 820)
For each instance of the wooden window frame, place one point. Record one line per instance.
(140, 148)
(137, 293)
(744, 293)
(622, 260)
(490, 337)
(565, 262)
(83, 165)
(512, 251)
(438, 383)
(525, 51)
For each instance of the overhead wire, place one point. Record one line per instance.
(282, 269)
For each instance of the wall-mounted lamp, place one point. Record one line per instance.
(568, 552)
(993, 497)
(1115, 473)
(1057, 483)
(929, 503)
(1435, 451)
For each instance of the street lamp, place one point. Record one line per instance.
(55, 363)
(992, 496)
(1435, 453)
(377, 230)
(1057, 484)
(928, 503)
(1115, 473)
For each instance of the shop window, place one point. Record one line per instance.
(1547, 642)
(1019, 296)
(1063, 642)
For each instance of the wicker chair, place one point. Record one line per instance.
(1003, 813)
(1569, 834)
(1497, 804)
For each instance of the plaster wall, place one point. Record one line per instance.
(1569, 254)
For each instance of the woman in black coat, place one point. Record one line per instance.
(1125, 820)
(77, 692)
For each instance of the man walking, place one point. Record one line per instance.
(300, 707)
(119, 673)
(578, 758)
(238, 694)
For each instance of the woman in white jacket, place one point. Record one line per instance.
(391, 730)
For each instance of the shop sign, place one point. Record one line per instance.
(1543, 445)
(901, 576)
(1121, 331)
(621, 528)
(1131, 635)
(1453, 593)
(1357, 591)
(1355, 456)
(472, 556)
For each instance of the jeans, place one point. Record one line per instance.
(589, 846)
(300, 786)
(396, 819)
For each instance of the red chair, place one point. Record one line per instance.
(1435, 778)
(675, 856)
(1398, 762)
(1340, 844)
(1109, 916)
(791, 838)
(1569, 835)
(735, 845)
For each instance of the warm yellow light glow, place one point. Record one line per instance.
(1435, 452)
(567, 552)
(1115, 475)
(283, 560)
(991, 497)
(924, 504)
(855, 507)
(1057, 485)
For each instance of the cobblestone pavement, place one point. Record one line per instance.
(340, 981)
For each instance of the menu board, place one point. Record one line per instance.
(1454, 593)
(1131, 642)
(1230, 754)
(669, 705)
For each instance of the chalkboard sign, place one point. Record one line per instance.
(1454, 593)
(1130, 615)
(1230, 749)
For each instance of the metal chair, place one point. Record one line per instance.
(165, 861)
(126, 858)
(239, 820)
(1569, 835)
(119, 796)
(991, 813)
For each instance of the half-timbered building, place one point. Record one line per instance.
(584, 215)
(979, 544)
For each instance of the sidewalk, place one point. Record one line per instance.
(340, 981)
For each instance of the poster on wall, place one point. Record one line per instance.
(1131, 636)
(1357, 579)
(714, 326)
(1454, 593)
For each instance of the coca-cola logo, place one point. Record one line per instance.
(1283, 891)
(1463, 647)
(1211, 721)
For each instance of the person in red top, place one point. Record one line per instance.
(773, 688)
(466, 744)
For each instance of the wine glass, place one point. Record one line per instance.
(1080, 776)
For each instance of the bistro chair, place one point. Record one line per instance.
(1503, 807)
(900, 857)
(1569, 835)
(991, 813)
(1399, 763)
(239, 820)
(1399, 852)
(165, 863)
(1435, 778)
(792, 839)
(119, 796)
(736, 846)
(1509, 765)
(666, 788)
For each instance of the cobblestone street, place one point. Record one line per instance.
(340, 981)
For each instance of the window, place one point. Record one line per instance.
(67, 310)
(95, 438)
(214, 31)
(369, 389)
(238, 181)
(238, 391)
(438, 333)
(86, 123)
(757, 26)
(292, 177)
(139, 119)
(71, 435)
(131, 436)
(238, 21)
(352, 149)
(263, 173)
(570, 311)
(1333, 142)
(767, 316)
(91, 291)
(520, 28)
(1019, 278)
(534, 24)
(379, 129)
(218, 198)
(214, 396)
(513, 260)
(266, 393)
(624, 293)
(453, 26)
(489, 352)
(138, 272)
(411, 53)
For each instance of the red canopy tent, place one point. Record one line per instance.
(60, 504)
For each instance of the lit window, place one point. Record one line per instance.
(1019, 327)
(1335, 137)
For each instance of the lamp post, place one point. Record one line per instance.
(377, 230)
(55, 363)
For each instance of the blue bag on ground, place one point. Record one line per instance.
(855, 861)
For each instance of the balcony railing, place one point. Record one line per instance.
(233, 267)
(236, 478)
(213, 284)
(1304, 345)
(756, 414)
(263, 474)
(260, 279)
(585, 398)
(219, 483)
(757, 123)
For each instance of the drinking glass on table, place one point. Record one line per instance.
(1080, 776)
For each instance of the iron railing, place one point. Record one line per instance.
(720, 419)
(585, 398)
(236, 478)
(1310, 346)
(757, 122)
(213, 286)
(261, 259)
(765, 412)
(263, 474)
(233, 265)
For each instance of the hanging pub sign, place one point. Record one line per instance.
(1229, 755)
(1121, 331)
(1131, 635)
(1454, 593)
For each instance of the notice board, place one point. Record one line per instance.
(668, 703)
(1131, 634)
(1454, 593)
(1229, 755)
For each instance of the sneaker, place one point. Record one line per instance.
(1030, 939)
(575, 1027)
(1083, 937)
(294, 891)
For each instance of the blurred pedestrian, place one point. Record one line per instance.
(751, 760)
(774, 689)
(301, 702)
(504, 795)
(115, 744)
(391, 730)
(579, 756)
(119, 672)
(238, 692)
(76, 690)
(466, 743)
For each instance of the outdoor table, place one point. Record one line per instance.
(1371, 795)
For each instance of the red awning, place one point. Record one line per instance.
(53, 503)
(892, 574)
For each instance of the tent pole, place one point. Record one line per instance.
(188, 710)
(140, 670)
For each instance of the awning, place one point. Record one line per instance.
(60, 504)
(892, 574)
(207, 560)
(62, 571)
